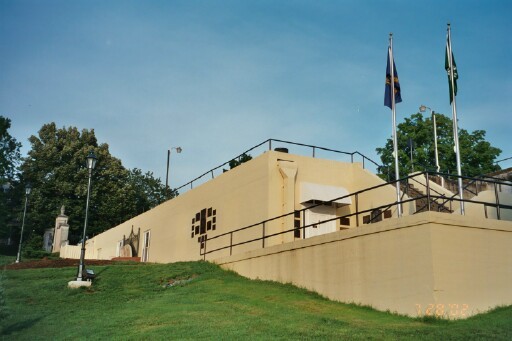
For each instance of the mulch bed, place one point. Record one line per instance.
(54, 263)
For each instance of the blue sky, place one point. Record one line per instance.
(217, 77)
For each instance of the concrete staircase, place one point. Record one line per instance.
(422, 201)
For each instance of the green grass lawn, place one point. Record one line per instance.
(130, 302)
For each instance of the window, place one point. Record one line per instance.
(145, 246)
(296, 224)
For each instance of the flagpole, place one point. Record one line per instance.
(455, 123)
(393, 114)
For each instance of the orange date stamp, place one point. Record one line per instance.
(451, 310)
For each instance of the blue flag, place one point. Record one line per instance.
(387, 92)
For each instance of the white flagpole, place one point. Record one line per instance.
(454, 117)
(393, 113)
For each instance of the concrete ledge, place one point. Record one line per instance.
(79, 284)
(405, 222)
(429, 264)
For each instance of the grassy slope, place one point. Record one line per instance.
(129, 302)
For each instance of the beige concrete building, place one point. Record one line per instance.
(332, 227)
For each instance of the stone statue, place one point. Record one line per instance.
(61, 231)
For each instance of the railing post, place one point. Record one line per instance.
(263, 239)
(352, 158)
(313, 151)
(270, 144)
(363, 161)
(357, 210)
(304, 224)
(231, 243)
(212, 174)
(428, 192)
(204, 254)
(497, 201)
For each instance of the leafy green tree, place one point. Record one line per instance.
(9, 151)
(241, 159)
(149, 191)
(56, 168)
(477, 154)
(32, 248)
(9, 191)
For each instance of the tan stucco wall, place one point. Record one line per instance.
(430, 263)
(478, 210)
(265, 187)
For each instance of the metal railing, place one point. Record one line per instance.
(375, 213)
(353, 156)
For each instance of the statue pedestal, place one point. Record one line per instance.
(79, 284)
(61, 231)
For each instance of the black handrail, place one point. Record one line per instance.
(469, 183)
(356, 194)
(269, 142)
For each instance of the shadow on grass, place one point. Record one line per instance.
(19, 326)
(101, 271)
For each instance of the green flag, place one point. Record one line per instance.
(453, 92)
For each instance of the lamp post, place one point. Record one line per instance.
(28, 188)
(91, 162)
(178, 150)
(422, 109)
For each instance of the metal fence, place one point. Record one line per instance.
(426, 199)
(269, 144)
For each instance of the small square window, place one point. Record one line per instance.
(345, 221)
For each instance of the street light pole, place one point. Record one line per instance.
(91, 162)
(28, 188)
(438, 168)
(178, 150)
(422, 109)
(435, 140)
